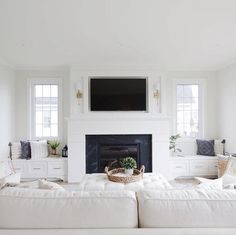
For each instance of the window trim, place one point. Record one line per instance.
(201, 119)
(31, 114)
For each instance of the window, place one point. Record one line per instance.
(187, 109)
(45, 110)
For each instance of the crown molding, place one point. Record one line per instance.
(43, 68)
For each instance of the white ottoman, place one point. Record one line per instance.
(100, 182)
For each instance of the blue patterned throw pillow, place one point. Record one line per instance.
(25, 150)
(206, 147)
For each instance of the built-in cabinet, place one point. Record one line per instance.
(193, 166)
(49, 168)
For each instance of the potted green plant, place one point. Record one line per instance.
(129, 164)
(173, 145)
(54, 144)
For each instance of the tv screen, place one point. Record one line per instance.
(118, 94)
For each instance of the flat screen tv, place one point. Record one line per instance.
(118, 94)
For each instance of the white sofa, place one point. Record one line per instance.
(164, 212)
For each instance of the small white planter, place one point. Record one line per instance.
(129, 171)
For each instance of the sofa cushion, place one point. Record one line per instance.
(205, 147)
(187, 208)
(25, 208)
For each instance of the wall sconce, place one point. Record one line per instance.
(156, 93)
(79, 94)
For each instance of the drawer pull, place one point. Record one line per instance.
(37, 168)
(56, 168)
(179, 167)
(17, 169)
(198, 167)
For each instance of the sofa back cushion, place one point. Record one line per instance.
(24, 208)
(187, 208)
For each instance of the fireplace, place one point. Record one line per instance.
(108, 150)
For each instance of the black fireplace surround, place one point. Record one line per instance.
(108, 150)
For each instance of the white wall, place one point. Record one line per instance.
(22, 103)
(7, 107)
(210, 104)
(226, 102)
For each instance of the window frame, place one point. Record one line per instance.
(31, 115)
(201, 120)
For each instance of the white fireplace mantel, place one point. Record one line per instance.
(79, 127)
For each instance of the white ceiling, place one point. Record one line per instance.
(167, 34)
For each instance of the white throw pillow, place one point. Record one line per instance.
(202, 180)
(44, 184)
(222, 164)
(219, 147)
(16, 150)
(211, 184)
(10, 180)
(229, 177)
(39, 149)
(5, 168)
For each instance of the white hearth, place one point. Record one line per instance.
(78, 128)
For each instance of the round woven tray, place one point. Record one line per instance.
(137, 175)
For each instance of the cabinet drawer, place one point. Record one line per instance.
(56, 168)
(20, 167)
(38, 169)
(198, 167)
(213, 166)
(179, 168)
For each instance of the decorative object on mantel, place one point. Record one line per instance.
(118, 175)
(129, 164)
(173, 146)
(79, 94)
(54, 144)
(64, 151)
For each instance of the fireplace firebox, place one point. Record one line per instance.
(108, 150)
